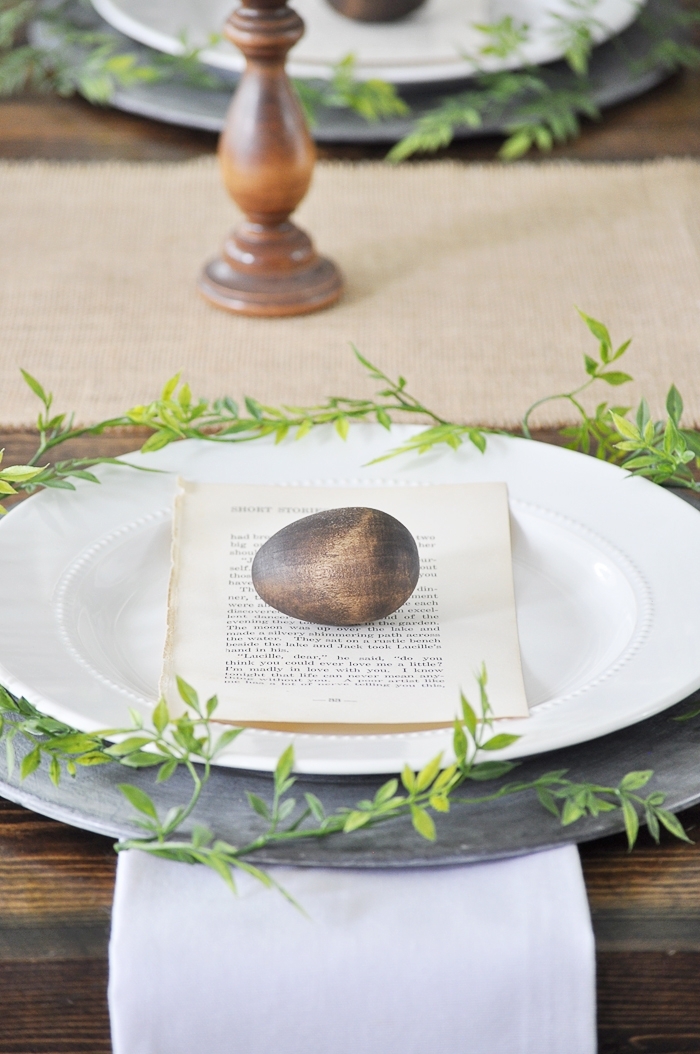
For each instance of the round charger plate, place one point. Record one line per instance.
(607, 624)
(617, 71)
(506, 827)
(509, 826)
(432, 44)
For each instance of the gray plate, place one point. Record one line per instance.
(612, 73)
(508, 827)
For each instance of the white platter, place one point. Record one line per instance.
(432, 44)
(605, 565)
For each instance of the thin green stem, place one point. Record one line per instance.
(570, 396)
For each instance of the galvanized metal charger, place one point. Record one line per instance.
(614, 72)
(511, 826)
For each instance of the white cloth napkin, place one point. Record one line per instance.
(494, 958)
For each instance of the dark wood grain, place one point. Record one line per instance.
(56, 886)
(664, 122)
(46, 127)
(54, 1007)
(63, 884)
(340, 567)
(56, 882)
(648, 1003)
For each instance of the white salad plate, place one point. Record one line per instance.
(439, 42)
(606, 569)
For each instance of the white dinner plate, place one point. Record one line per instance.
(606, 572)
(433, 44)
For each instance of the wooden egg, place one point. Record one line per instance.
(341, 567)
(375, 10)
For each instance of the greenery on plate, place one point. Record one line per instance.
(536, 105)
(95, 62)
(663, 451)
(193, 741)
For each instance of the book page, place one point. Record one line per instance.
(404, 671)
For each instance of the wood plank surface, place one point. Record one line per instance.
(56, 882)
(665, 122)
(56, 886)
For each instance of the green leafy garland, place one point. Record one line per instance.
(191, 742)
(537, 107)
(663, 451)
(92, 61)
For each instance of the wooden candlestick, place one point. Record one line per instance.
(269, 266)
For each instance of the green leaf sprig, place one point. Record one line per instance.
(663, 451)
(372, 99)
(191, 741)
(54, 429)
(94, 63)
(88, 61)
(49, 740)
(14, 477)
(538, 107)
(598, 432)
(177, 415)
(570, 801)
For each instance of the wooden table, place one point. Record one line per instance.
(56, 882)
(665, 122)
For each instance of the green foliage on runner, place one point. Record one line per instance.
(538, 107)
(96, 63)
(664, 451)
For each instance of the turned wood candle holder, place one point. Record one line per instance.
(268, 266)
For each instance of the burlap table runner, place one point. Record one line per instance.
(463, 278)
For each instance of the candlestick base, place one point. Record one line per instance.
(270, 270)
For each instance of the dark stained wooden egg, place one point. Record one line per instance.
(341, 567)
(375, 10)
